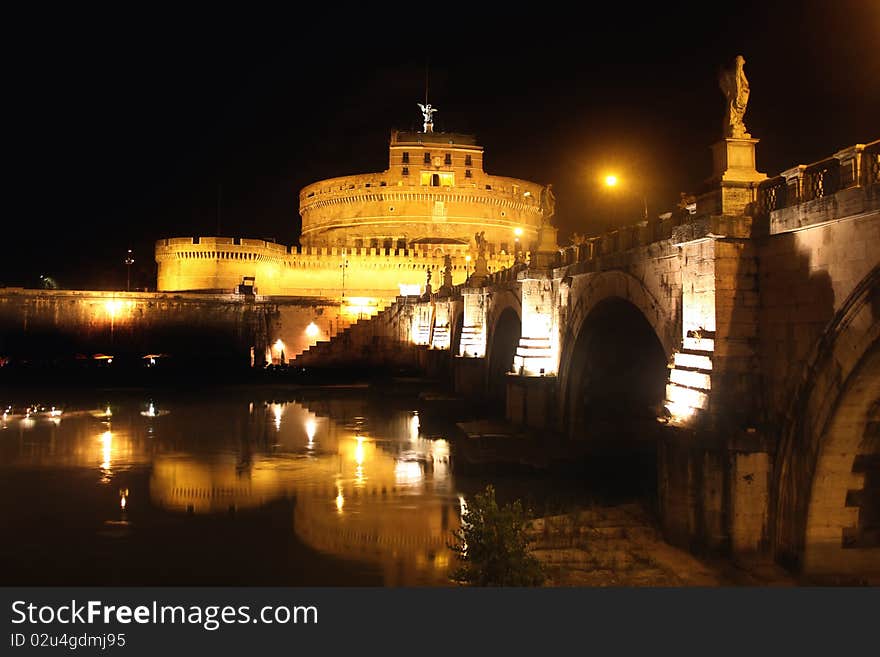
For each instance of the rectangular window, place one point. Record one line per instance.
(406, 157)
(468, 162)
(405, 171)
(448, 160)
(467, 173)
(427, 157)
(488, 186)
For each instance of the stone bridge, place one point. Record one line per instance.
(739, 335)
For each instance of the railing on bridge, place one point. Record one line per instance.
(857, 165)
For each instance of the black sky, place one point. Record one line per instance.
(121, 127)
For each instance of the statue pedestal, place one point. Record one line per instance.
(731, 187)
(733, 159)
(547, 253)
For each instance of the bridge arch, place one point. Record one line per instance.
(828, 462)
(505, 330)
(615, 350)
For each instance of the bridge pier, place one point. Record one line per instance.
(531, 401)
(713, 497)
(469, 377)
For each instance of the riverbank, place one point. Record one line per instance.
(621, 546)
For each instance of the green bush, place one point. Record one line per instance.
(492, 544)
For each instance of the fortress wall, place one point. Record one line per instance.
(42, 325)
(316, 271)
(45, 325)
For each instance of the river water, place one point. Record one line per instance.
(230, 487)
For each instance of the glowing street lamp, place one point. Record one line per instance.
(612, 181)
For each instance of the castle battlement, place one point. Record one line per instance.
(222, 263)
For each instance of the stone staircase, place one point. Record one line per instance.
(368, 341)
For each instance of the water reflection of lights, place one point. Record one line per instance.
(106, 452)
(311, 430)
(340, 500)
(414, 426)
(359, 460)
(440, 450)
(407, 472)
(123, 498)
(277, 411)
(151, 411)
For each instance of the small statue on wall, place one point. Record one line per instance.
(447, 270)
(548, 203)
(480, 241)
(735, 88)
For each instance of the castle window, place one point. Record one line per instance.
(386, 244)
(427, 157)
(359, 243)
(405, 171)
(406, 157)
(468, 161)
(435, 180)
(374, 243)
(488, 186)
(467, 173)
(401, 243)
(448, 160)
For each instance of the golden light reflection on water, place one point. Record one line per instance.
(365, 490)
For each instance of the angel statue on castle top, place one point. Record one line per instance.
(428, 115)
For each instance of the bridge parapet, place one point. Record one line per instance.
(842, 185)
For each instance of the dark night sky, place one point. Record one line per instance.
(122, 126)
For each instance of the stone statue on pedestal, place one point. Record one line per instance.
(481, 244)
(735, 88)
(548, 204)
(447, 271)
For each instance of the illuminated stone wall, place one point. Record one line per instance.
(48, 325)
(220, 264)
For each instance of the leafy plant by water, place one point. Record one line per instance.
(493, 546)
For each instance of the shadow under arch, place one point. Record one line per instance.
(827, 453)
(616, 371)
(641, 314)
(502, 342)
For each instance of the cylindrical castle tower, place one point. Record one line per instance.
(433, 197)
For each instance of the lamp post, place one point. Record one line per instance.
(129, 261)
(343, 266)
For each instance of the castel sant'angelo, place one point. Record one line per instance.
(369, 238)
